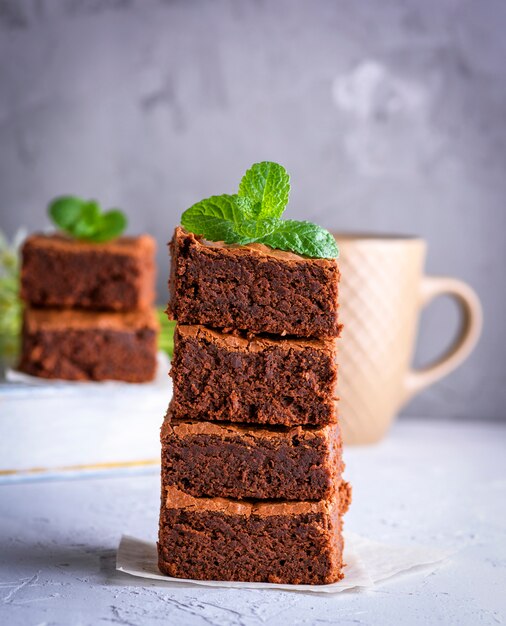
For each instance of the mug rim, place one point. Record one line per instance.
(367, 236)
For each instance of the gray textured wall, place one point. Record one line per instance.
(390, 116)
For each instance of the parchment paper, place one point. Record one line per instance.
(367, 563)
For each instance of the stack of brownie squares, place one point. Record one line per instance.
(252, 486)
(88, 311)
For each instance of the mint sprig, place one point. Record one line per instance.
(231, 219)
(253, 215)
(84, 219)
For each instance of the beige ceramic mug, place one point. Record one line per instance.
(382, 292)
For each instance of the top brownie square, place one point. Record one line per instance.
(252, 288)
(61, 272)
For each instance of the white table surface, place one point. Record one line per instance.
(436, 483)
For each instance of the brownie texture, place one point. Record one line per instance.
(81, 345)
(222, 539)
(223, 377)
(58, 271)
(225, 460)
(252, 288)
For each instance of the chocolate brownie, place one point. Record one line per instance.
(231, 461)
(58, 271)
(83, 345)
(252, 288)
(218, 376)
(222, 539)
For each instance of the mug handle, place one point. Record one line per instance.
(470, 330)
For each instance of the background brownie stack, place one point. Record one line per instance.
(251, 451)
(88, 308)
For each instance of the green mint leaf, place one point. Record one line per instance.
(267, 184)
(255, 230)
(88, 223)
(218, 218)
(65, 211)
(253, 215)
(84, 219)
(112, 224)
(303, 238)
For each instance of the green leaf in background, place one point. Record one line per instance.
(84, 219)
(166, 336)
(303, 238)
(254, 216)
(10, 303)
(88, 222)
(112, 224)
(66, 211)
(267, 184)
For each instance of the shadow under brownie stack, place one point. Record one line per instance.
(89, 309)
(252, 485)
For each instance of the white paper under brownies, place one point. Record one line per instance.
(368, 563)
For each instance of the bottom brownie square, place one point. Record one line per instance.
(276, 542)
(83, 345)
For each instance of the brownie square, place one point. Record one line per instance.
(224, 539)
(58, 271)
(83, 345)
(222, 377)
(227, 460)
(252, 288)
